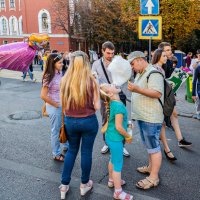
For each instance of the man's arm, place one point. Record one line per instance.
(154, 90)
(146, 92)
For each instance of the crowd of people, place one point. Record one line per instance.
(70, 85)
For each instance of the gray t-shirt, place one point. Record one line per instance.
(96, 67)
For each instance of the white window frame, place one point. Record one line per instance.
(15, 24)
(20, 21)
(1, 24)
(41, 12)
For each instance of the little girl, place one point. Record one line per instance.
(115, 134)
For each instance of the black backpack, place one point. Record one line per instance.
(169, 98)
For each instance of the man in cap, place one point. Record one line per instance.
(146, 109)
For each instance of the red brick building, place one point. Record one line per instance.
(20, 18)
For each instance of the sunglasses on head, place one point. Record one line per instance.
(59, 57)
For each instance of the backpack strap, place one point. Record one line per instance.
(157, 72)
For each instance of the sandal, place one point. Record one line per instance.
(144, 170)
(111, 183)
(147, 183)
(127, 196)
(169, 155)
(59, 158)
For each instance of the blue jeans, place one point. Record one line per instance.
(55, 115)
(150, 135)
(30, 74)
(84, 131)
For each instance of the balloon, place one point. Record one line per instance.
(18, 56)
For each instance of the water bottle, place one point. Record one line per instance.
(130, 128)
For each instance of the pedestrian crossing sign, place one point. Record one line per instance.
(150, 27)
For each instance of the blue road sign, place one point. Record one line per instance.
(150, 27)
(149, 7)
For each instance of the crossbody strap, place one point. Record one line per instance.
(106, 75)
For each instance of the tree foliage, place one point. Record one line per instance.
(117, 20)
(180, 17)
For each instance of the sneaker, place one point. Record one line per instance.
(84, 188)
(184, 143)
(63, 190)
(126, 153)
(23, 80)
(34, 80)
(104, 149)
(198, 116)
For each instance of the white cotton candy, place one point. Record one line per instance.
(120, 70)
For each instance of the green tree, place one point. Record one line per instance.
(180, 17)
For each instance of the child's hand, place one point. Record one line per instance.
(129, 140)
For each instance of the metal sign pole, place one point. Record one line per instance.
(150, 49)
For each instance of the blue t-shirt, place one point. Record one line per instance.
(116, 107)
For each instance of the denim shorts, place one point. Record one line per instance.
(150, 135)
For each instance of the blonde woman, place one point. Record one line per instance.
(80, 100)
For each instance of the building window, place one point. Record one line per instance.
(12, 3)
(13, 22)
(3, 4)
(5, 42)
(44, 21)
(4, 26)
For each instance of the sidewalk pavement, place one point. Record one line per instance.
(37, 74)
(184, 108)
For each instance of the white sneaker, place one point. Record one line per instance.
(34, 80)
(104, 149)
(63, 190)
(86, 187)
(126, 153)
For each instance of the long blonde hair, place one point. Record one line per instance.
(77, 82)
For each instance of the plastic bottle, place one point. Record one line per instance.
(130, 129)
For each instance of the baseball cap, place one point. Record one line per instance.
(136, 54)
